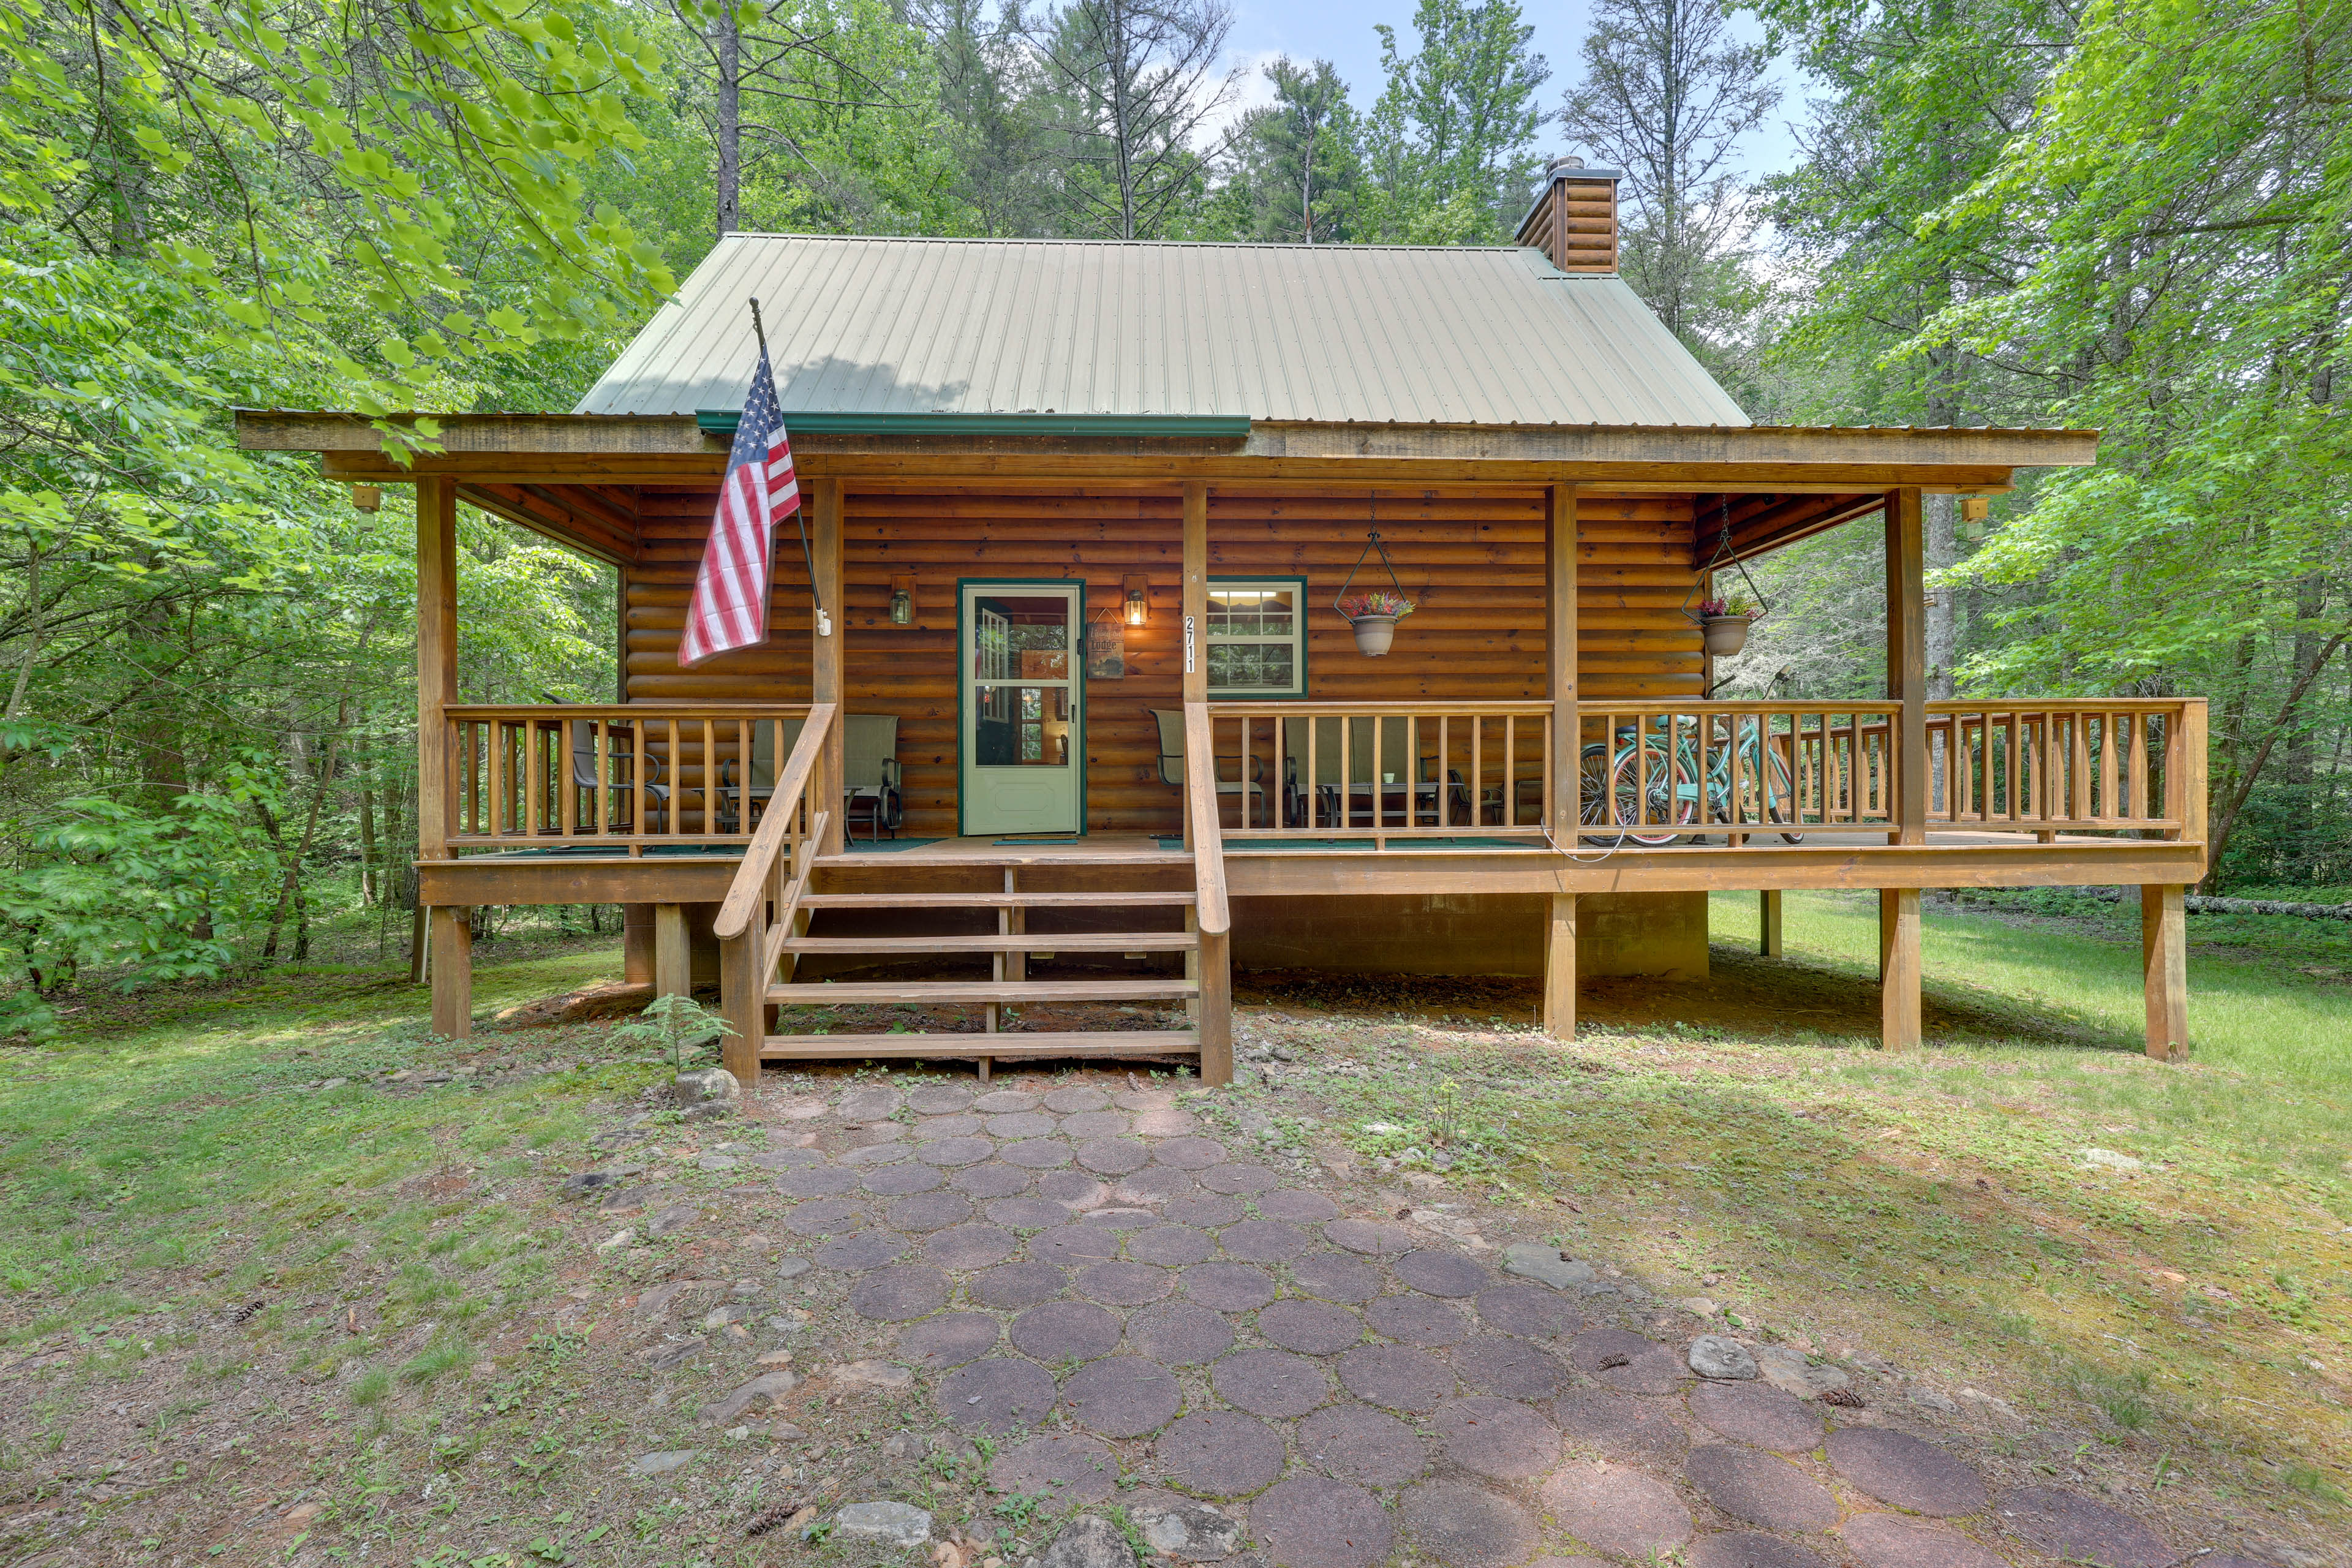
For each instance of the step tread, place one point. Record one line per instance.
(1072, 1043)
(993, 900)
(1032, 941)
(841, 994)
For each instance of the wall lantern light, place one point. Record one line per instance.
(1139, 608)
(902, 601)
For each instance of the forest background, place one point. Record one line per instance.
(2132, 214)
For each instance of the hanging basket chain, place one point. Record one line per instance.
(1371, 543)
(1724, 555)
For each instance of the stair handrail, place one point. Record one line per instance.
(780, 826)
(747, 957)
(1212, 917)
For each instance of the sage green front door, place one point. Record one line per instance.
(1023, 707)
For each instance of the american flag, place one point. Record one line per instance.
(730, 607)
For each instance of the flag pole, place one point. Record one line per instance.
(800, 513)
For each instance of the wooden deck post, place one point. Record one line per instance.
(452, 935)
(1559, 662)
(1906, 660)
(1899, 968)
(673, 952)
(1216, 1026)
(1768, 941)
(827, 656)
(1194, 621)
(2163, 950)
(1559, 968)
(744, 993)
(446, 929)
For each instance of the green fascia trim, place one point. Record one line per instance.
(1193, 427)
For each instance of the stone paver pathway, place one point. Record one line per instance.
(1106, 1293)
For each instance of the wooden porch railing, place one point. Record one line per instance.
(763, 911)
(2074, 765)
(1212, 916)
(624, 774)
(1382, 770)
(1652, 769)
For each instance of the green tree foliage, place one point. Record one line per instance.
(1131, 87)
(1451, 144)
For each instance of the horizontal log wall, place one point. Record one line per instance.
(1472, 560)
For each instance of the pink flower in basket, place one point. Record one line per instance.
(1359, 604)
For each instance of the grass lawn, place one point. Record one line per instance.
(246, 1317)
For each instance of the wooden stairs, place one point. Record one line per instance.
(1114, 921)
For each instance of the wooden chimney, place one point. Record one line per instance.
(1574, 221)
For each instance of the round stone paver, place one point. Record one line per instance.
(1238, 1178)
(877, 1154)
(1262, 1241)
(1513, 1368)
(1619, 1424)
(1228, 1287)
(1076, 1096)
(1624, 1360)
(1023, 1284)
(1530, 1311)
(1219, 1453)
(1074, 1190)
(1395, 1378)
(1205, 1210)
(1028, 1213)
(949, 1340)
(1123, 1397)
(1312, 1522)
(1068, 1472)
(1895, 1466)
(1759, 1488)
(899, 1295)
(1434, 1273)
(951, 1127)
(866, 1250)
(1123, 1218)
(1270, 1383)
(1095, 1124)
(939, 1100)
(1166, 1123)
(1465, 1526)
(1758, 1414)
(967, 1151)
(1124, 1284)
(1617, 1510)
(816, 1183)
(1114, 1156)
(1023, 1124)
(787, 1158)
(867, 1102)
(2078, 1530)
(1739, 1549)
(826, 1217)
(967, 1246)
(1178, 1334)
(1363, 1236)
(897, 1181)
(1035, 1153)
(1001, 1393)
(1496, 1437)
(997, 1102)
(1296, 1206)
(1170, 1246)
(1074, 1243)
(1357, 1443)
(1310, 1328)
(1065, 1331)
(1154, 1184)
(1189, 1153)
(1335, 1277)
(1418, 1321)
(990, 1180)
(1891, 1540)
(928, 1211)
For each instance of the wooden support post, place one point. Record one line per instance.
(437, 659)
(1899, 968)
(827, 659)
(1768, 942)
(1560, 671)
(744, 991)
(452, 935)
(1216, 1024)
(2164, 951)
(637, 943)
(1559, 968)
(673, 952)
(1906, 660)
(1194, 621)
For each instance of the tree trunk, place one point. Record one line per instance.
(728, 45)
(2225, 819)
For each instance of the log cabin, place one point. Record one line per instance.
(1080, 517)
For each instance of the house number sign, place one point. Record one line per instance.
(1188, 644)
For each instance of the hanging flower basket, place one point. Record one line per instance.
(1373, 617)
(1724, 623)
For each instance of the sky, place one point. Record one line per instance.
(1342, 34)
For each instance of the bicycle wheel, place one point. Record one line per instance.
(1667, 802)
(1592, 786)
(1784, 794)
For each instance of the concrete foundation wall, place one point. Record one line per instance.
(1661, 934)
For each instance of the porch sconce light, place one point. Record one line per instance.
(1139, 608)
(902, 601)
(366, 497)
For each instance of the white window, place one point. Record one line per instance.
(1257, 636)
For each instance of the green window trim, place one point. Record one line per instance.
(1294, 641)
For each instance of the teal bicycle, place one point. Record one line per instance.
(1657, 778)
